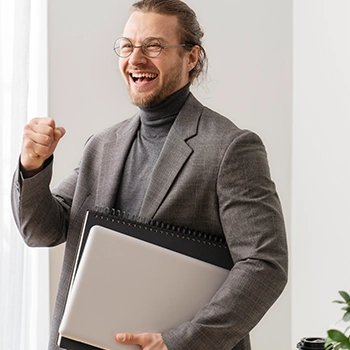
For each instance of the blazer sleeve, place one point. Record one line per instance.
(252, 221)
(41, 217)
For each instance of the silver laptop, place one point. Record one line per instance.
(124, 284)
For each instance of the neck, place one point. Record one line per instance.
(169, 107)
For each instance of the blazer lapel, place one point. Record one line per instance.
(114, 155)
(173, 156)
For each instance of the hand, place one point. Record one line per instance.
(147, 341)
(40, 139)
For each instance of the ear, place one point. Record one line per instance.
(193, 57)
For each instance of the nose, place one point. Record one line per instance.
(137, 57)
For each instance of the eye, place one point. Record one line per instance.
(152, 45)
(125, 46)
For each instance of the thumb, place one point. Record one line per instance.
(59, 132)
(127, 338)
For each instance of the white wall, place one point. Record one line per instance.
(321, 163)
(249, 44)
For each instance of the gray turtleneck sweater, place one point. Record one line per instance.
(144, 152)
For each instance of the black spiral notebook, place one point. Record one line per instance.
(137, 276)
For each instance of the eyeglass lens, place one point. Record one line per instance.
(151, 47)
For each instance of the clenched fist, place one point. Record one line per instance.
(40, 139)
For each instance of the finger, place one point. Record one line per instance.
(59, 132)
(127, 338)
(44, 121)
(39, 134)
(46, 126)
(37, 139)
(40, 130)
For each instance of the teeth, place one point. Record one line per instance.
(144, 75)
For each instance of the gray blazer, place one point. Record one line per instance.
(210, 176)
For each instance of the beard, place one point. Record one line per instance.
(169, 85)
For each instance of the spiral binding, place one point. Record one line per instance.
(106, 213)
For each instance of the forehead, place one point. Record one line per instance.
(141, 25)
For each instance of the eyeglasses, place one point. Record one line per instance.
(151, 47)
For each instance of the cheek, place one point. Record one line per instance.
(122, 65)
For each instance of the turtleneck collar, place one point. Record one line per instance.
(168, 108)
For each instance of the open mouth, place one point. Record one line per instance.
(143, 77)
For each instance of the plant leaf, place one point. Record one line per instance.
(328, 341)
(346, 317)
(337, 336)
(345, 296)
(329, 344)
(345, 345)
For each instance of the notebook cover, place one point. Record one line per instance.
(200, 245)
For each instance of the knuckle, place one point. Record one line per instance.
(27, 142)
(34, 121)
(50, 122)
(46, 140)
(129, 337)
(27, 129)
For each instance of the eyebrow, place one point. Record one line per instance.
(160, 38)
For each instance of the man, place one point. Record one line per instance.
(176, 161)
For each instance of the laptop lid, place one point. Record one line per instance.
(124, 284)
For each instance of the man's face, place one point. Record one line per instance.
(151, 80)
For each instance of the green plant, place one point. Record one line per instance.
(336, 339)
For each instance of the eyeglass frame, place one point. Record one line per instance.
(142, 46)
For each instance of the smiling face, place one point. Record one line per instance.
(151, 80)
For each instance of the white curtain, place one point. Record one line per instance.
(24, 287)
